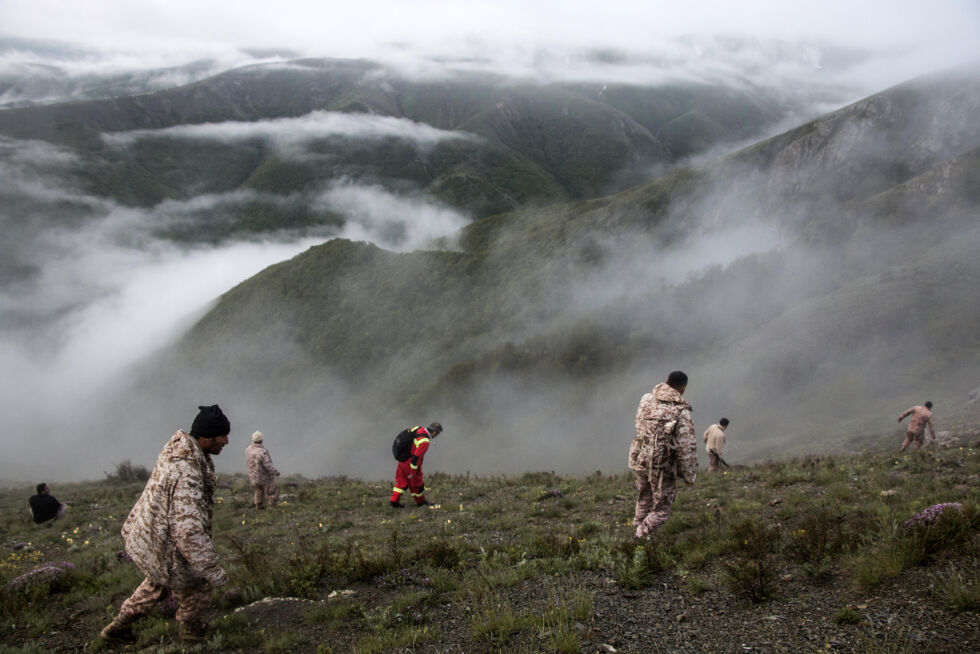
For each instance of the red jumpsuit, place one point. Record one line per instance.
(408, 474)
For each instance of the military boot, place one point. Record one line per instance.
(193, 630)
(116, 632)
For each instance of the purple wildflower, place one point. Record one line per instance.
(930, 515)
(166, 607)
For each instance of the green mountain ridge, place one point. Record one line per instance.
(542, 321)
(537, 142)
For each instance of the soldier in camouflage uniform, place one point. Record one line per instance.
(168, 532)
(663, 450)
(261, 473)
(920, 420)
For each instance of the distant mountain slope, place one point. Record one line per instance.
(536, 142)
(558, 318)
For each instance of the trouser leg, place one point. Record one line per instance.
(144, 598)
(401, 481)
(258, 495)
(272, 493)
(417, 488)
(192, 602)
(712, 462)
(644, 498)
(664, 493)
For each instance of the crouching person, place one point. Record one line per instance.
(168, 532)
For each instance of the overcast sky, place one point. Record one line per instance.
(916, 35)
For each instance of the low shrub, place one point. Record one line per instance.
(128, 472)
(753, 579)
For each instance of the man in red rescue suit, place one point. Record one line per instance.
(408, 474)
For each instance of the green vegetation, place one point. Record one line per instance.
(506, 563)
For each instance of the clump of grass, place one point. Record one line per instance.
(848, 615)
(333, 611)
(438, 552)
(818, 536)
(887, 642)
(933, 531)
(235, 631)
(563, 638)
(552, 545)
(588, 528)
(397, 638)
(637, 566)
(819, 572)
(958, 592)
(495, 621)
(697, 585)
(916, 542)
(282, 641)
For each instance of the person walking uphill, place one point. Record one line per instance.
(921, 419)
(168, 532)
(408, 474)
(261, 473)
(663, 450)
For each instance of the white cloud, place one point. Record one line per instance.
(291, 134)
(546, 37)
(391, 221)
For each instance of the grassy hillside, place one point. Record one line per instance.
(795, 555)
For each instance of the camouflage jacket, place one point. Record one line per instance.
(259, 464)
(921, 418)
(664, 435)
(168, 532)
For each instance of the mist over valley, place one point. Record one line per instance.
(518, 246)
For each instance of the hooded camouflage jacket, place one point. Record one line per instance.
(664, 435)
(260, 469)
(168, 532)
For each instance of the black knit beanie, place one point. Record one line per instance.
(210, 423)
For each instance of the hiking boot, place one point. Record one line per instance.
(396, 505)
(117, 633)
(423, 503)
(193, 630)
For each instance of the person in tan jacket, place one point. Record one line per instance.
(663, 450)
(261, 473)
(920, 421)
(714, 443)
(168, 532)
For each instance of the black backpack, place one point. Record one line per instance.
(402, 447)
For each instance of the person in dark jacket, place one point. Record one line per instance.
(45, 506)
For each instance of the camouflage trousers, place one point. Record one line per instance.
(263, 491)
(191, 602)
(653, 501)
